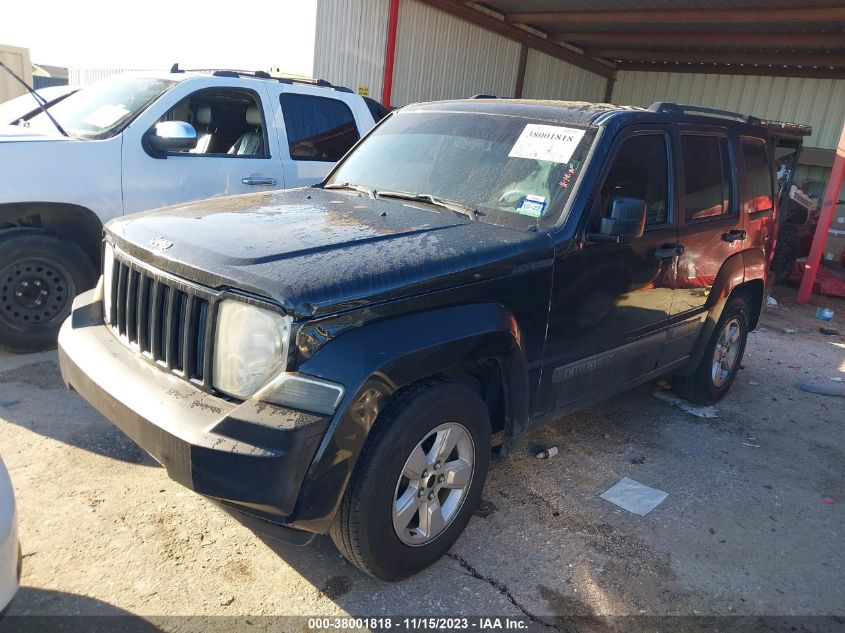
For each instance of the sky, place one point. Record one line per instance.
(153, 34)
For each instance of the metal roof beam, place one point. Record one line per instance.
(522, 36)
(714, 69)
(721, 57)
(626, 39)
(743, 15)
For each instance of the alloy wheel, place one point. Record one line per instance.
(433, 484)
(726, 353)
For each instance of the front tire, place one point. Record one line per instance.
(40, 274)
(417, 482)
(721, 359)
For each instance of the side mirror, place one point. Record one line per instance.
(171, 136)
(625, 224)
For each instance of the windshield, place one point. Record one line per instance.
(103, 109)
(513, 170)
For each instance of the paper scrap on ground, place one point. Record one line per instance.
(634, 497)
(824, 390)
(547, 142)
(699, 412)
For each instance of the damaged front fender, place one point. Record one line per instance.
(377, 360)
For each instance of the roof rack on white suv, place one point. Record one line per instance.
(260, 74)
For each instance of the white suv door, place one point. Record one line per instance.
(237, 150)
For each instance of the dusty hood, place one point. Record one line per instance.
(317, 251)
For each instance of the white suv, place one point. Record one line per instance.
(10, 548)
(145, 140)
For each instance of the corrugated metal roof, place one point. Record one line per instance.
(572, 21)
(816, 102)
(513, 6)
(682, 27)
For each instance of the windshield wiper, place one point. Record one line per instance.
(458, 207)
(38, 98)
(347, 185)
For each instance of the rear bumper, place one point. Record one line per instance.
(251, 457)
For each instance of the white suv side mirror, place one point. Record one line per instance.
(171, 136)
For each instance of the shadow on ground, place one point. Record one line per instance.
(68, 613)
(29, 398)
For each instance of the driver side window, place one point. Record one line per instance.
(640, 169)
(228, 122)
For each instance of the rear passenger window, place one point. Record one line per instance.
(640, 170)
(318, 128)
(757, 193)
(707, 176)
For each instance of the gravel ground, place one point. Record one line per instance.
(753, 523)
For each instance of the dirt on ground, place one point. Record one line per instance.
(753, 524)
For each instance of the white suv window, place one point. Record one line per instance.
(228, 121)
(318, 128)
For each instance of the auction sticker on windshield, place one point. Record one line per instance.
(546, 142)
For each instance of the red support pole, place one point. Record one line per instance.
(831, 197)
(390, 53)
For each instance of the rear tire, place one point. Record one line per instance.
(386, 523)
(40, 274)
(721, 359)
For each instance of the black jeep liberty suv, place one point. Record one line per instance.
(340, 359)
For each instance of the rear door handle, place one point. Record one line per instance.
(259, 180)
(669, 250)
(733, 236)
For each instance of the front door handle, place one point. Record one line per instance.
(259, 180)
(669, 250)
(733, 236)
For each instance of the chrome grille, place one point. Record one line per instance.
(168, 321)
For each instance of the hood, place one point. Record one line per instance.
(316, 251)
(12, 133)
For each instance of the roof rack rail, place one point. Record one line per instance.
(261, 74)
(682, 108)
(796, 129)
(322, 83)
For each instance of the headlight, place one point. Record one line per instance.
(250, 347)
(108, 281)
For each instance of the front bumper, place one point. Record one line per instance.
(250, 457)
